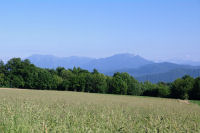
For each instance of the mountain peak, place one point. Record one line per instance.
(126, 55)
(117, 61)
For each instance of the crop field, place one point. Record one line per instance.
(26, 111)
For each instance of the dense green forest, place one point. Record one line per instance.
(17, 73)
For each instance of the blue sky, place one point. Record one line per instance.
(156, 29)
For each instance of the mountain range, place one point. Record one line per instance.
(137, 66)
(115, 62)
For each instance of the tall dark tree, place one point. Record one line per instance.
(3, 80)
(118, 86)
(195, 92)
(59, 70)
(182, 87)
(99, 84)
(133, 85)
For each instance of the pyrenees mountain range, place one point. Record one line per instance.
(140, 68)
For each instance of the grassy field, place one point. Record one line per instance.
(196, 101)
(53, 111)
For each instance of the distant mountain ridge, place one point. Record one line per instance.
(115, 62)
(135, 65)
(169, 76)
(154, 68)
(50, 61)
(186, 62)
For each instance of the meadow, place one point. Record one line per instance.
(38, 111)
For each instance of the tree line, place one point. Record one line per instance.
(17, 73)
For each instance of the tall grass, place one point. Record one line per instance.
(26, 111)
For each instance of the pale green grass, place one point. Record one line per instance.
(53, 111)
(195, 101)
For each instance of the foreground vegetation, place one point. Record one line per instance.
(19, 73)
(195, 101)
(58, 111)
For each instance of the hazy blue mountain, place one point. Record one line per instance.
(186, 62)
(166, 72)
(49, 61)
(116, 62)
(136, 66)
(169, 76)
(112, 63)
(154, 68)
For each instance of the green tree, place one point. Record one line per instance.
(95, 71)
(89, 82)
(3, 82)
(182, 87)
(44, 80)
(149, 89)
(60, 70)
(2, 67)
(17, 82)
(118, 86)
(195, 92)
(134, 87)
(99, 84)
(65, 85)
(29, 74)
(162, 90)
(56, 82)
(66, 75)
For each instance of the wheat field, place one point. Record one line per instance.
(37, 111)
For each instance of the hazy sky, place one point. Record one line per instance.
(154, 29)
